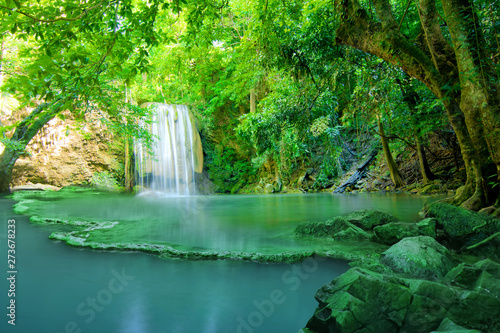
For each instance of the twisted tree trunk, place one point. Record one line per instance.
(458, 75)
(25, 131)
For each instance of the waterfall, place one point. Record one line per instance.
(168, 166)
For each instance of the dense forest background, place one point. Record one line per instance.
(290, 96)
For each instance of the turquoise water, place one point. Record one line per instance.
(65, 289)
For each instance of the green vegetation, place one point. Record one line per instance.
(291, 95)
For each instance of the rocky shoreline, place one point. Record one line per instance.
(418, 284)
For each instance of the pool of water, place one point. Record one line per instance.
(65, 289)
(218, 223)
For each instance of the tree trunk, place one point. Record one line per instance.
(23, 134)
(253, 104)
(411, 98)
(480, 95)
(393, 168)
(129, 167)
(425, 170)
(455, 74)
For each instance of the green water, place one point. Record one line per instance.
(72, 289)
(214, 223)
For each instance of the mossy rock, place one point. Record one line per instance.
(361, 300)
(393, 232)
(462, 228)
(337, 228)
(449, 326)
(419, 257)
(367, 219)
(455, 221)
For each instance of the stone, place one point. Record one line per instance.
(268, 189)
(461, 227)
(419, 257)
(367, 219)
(393, 232)
(449, 326)
(34, 187)
(337, 228)
(455, 221)
(361, 300)
(427, 227)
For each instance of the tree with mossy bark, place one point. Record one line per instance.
(447, 53)
(76, 56)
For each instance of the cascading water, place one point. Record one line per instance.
(169, 166)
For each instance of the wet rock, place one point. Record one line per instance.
(430, 189)
(419, 257)
(34, 187)
(461, 227)
(367, 219)
(338, 228)
(448, 326)
(393, 232)
(411, 298)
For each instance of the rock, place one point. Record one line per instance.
(448, 326)
(393, 232)
(268, 189)
(462, 227)
(430, 189)
(361, 300)
(338, 228)
(367, 219)
(455, 221)
(419, 257)
(34, 187)
(427, 227)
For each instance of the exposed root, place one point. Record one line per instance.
(483, 241)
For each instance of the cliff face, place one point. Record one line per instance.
(67, 152)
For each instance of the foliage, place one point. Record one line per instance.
(105, 181)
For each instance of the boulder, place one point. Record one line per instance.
(448, 326)
(367, 219)
(419, 257)
(393, 232)
(361, 301)
(457, 223)
(337, 228)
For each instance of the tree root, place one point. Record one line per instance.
(483, 241)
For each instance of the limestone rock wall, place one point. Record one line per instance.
(67, 152)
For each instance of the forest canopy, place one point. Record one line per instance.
(281, 88)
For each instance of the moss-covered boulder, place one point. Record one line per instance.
(419, 257)
(461, 226)
(352, 226)
(411, 298)
(367, 219)
(393, 232)
(337, 228)
(450, 327)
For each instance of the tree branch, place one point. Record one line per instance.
(85, 12)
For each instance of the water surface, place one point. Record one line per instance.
(67, 289)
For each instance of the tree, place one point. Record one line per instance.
(78, 55)
(452, 62)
